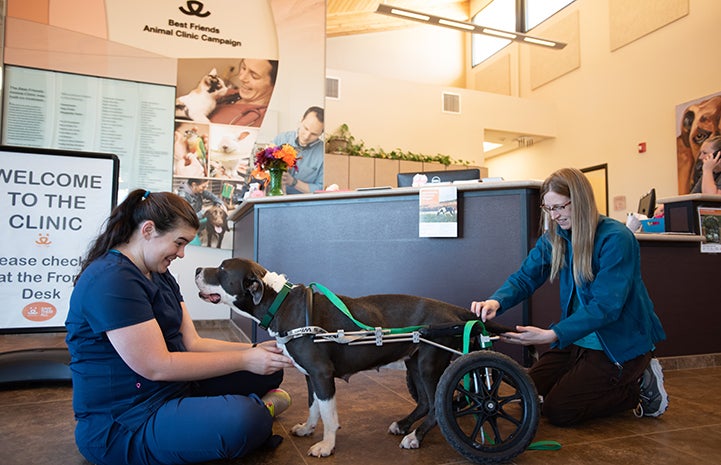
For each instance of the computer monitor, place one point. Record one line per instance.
(647, 203)
(470, 174)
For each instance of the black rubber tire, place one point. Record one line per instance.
(487, 407)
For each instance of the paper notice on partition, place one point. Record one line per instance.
(438, 212)
(709, 225)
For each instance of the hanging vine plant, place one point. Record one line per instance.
(342, 141)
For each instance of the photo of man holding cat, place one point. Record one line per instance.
(248, 95)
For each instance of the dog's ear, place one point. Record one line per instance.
(255, 288)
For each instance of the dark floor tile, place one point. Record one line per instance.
(39, 433)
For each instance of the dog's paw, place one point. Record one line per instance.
(410, 441)
(302, 429)
(395, 429)
(321, 449)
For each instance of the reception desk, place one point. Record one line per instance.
(367, 242)
(359, 243)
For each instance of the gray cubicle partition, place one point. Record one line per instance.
(359, 243)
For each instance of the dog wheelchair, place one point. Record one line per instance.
(486, 405)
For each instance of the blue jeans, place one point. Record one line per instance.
(221, 418)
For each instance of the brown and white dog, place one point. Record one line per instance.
(214, 228)
(253, 291)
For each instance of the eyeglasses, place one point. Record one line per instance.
(555, 208)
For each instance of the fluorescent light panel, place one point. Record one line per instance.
(389, 10)
(409, 14)
(488, 146)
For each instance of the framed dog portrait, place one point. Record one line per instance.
(696, 121)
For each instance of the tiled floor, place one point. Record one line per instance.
(37, 425)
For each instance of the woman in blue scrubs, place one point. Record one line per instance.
(147, 389)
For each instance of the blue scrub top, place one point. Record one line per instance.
(113, 293)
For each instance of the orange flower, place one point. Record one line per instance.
(283, 157)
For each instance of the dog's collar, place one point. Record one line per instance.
(270, 314)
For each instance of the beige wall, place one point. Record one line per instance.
(390, 114)
(600, 110)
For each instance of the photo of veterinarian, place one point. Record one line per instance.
(146, 387)
(709, 157)
(600, 361)
(195, 192)
(212, 211)
(249, 91)
(308, 143)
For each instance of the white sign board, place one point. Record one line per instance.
(53, 205)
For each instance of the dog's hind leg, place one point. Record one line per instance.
(415, 387)
(430, 365)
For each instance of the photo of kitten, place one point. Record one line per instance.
(200, 102)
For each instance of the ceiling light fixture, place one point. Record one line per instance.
(433, 20)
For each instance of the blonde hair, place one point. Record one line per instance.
(573, 184)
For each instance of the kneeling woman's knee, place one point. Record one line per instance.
(560, 414)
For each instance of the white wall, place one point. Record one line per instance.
(423, 54)
(390, 114)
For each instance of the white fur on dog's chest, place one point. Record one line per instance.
(287, 354)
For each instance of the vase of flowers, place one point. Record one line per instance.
(275, 160)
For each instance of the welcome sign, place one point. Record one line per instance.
(54, 204)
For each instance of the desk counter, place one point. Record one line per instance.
(367, 242)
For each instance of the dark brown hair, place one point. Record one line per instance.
(167, 210)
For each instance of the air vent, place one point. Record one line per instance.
(451, 103)
(524, 141)
(332, 88)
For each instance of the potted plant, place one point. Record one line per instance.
(339, 140)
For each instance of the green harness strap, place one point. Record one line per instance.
(335, 300)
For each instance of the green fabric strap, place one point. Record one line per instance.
(270, 314)
(538, 445)
(544, 445)
(335, 300)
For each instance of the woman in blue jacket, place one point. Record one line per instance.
(600, 360)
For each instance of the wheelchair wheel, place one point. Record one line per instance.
(487, 407)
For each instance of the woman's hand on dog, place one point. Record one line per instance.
(530, 335)
(485, 309)
(266, 358)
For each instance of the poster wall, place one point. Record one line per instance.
(53, 204)
(177, 45)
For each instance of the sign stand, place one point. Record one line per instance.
(54, 204)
